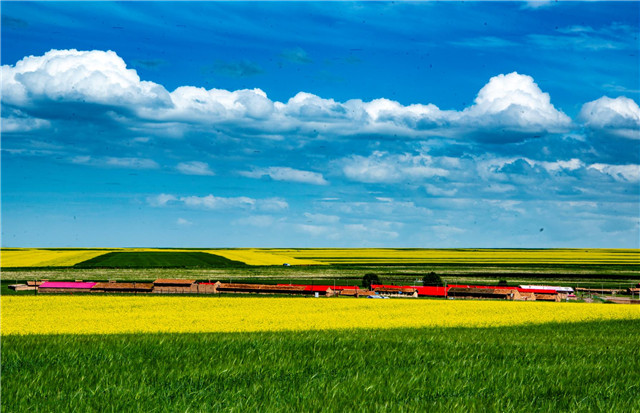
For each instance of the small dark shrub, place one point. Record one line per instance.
(370, 278)
(432, 279)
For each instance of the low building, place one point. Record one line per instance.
(430, 291)
(65, 287)
(269, 289)
(22, 287)
(548, 297)
(480, 293)
(565, 290)
(175, 286)
(355, 292)
(113, 287)
(395, 291)
(173, 282)
(335, 289)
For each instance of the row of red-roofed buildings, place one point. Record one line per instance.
(521, 292)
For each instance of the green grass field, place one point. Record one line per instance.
(555, 367)
(340, 275)
(159, 260)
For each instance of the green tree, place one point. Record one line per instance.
(370, 278)
(432, 279)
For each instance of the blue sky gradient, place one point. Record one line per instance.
(213, 124)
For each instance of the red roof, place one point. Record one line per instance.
(432, 291)
(442, 291)
(537, 291)
(493, 287)
(323, 287)
(426, 291)
(64, 284)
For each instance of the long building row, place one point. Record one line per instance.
(182, 286)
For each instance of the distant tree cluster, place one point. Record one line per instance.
(432, 279)
(369, 279)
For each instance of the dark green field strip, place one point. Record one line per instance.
(154, 259)
(555, 367)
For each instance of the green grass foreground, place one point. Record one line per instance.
(553, 367)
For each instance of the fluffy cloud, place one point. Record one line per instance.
(286, 174)
(501, 168)
(368, 230)
(183, 222)
(193, 104)
(619, 116)
(23, 124)
(161, 200)
(382, 167)
(116, 162)
(72, 76)
(194, 168)
(101, 83)
(623, 173)
(216, 202)
(516, 102)
(211, 202)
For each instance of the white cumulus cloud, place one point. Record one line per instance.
(515, 101)
(278, 173)
(511, 103)
(161, 200)
(628, 173)
(217, 202)
(194, 168)
(116, 162)
(619, 116)
(95, 76)
(383, 167)
(212, 202)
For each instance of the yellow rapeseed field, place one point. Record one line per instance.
(174, 314)
(31, 257)
(256, 256)
(466, 256)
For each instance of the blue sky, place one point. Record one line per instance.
(320, 124)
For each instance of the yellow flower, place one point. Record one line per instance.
(84, 314)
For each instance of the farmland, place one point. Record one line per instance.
(594, 267)
(17, 258)
(88, 314)
(593, 366)
(29, 257)
(158, 259)
(248, 353)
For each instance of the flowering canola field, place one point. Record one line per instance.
(465, 256)
(23, 315)
(31, 257)
(257, 256)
